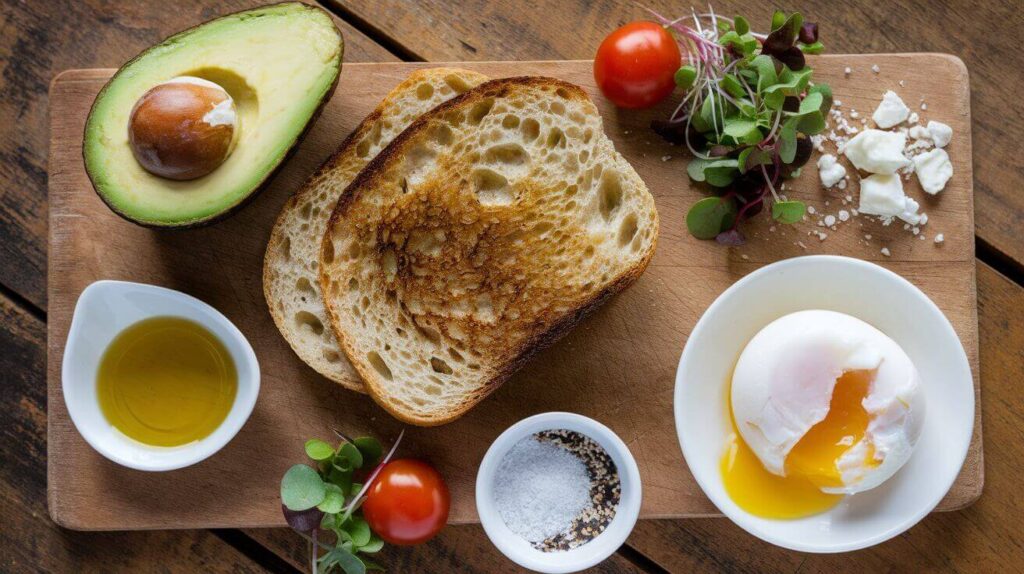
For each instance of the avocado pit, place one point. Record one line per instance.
(183, 128)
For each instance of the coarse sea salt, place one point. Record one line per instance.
(541, 488)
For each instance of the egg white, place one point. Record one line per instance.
(783, 383)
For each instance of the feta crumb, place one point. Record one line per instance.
(924, 218)
(877, 151)
(920, 133)
(848, 71)
(822, 236)
(830, 220)
(933, 170)
(902, 83)
(867, 236)
(844, 215)
(939, 238)
(882, 195)
(924, 106)
(830, 171)
(940, 133)
(891, 111)
(885, 251)
(744, 257)
(811, 210)
(875, 68)
(854, 114)
(666, 157)
(913, 118)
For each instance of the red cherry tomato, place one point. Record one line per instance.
(407, 503)
(635, 65)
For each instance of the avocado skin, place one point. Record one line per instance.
(267, 179)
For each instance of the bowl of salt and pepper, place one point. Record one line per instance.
(558, 492)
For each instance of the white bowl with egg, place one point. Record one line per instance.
(915, 482)
(517, 548)
(104, 310)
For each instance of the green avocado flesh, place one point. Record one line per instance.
(279, 63)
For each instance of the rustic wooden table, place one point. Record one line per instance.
(39, 38)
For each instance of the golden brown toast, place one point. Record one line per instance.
(291, 284)
(480, 235)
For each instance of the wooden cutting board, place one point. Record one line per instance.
(617, 367)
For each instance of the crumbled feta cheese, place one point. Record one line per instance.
(882, 194)
(902, 83)
(830, 220)
(914, 118)
(940, 238)
(885, 251)
(854, 114)
(924, 106)
(940, 133)
(891, 111)
(822, 236)
(844, 215)
(933, 170)
(920, 133)
(811, 210)
(877, 151)
(875, 68)
(848, 71)
(830, 171)
(666, 157)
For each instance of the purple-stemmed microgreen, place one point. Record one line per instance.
(324, 497)
(747, 113)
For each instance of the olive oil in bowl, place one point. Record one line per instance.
(166, 381)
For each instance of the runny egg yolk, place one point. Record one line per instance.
(810, 464)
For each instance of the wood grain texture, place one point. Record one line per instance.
(983, 538)
(557, 29)
(463, 548)
(29, 540)
(617, 367)
(40, 39)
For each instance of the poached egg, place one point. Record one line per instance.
(823, 405)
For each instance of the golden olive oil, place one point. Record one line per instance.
(166, 381)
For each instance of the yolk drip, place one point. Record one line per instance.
(811, 463)
(814, 457)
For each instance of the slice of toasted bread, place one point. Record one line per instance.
(481, 234)
(290, 280)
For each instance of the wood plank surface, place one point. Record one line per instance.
(629, 387)
(460, 548)
(985, 537)
(41, 39)
(38, 39)
(481, 30)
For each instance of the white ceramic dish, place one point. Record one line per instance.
(879, 297)
(104, 309)
(518, 549)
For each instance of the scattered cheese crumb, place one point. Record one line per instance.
(830, 171)
(666, 157)
(875, 68)
(830, 220)
(891, 111)
(940, 133)
(940, 238)
(844, 215)
(885, 251)
(848, 71)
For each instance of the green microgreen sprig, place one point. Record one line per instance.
(747, 115)
(325, 498)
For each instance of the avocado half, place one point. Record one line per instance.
(279, 63)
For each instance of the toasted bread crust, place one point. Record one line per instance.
(375, 175)
(346, 152)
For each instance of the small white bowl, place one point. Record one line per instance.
(104, 309)
(517, 548)
(870, 293)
